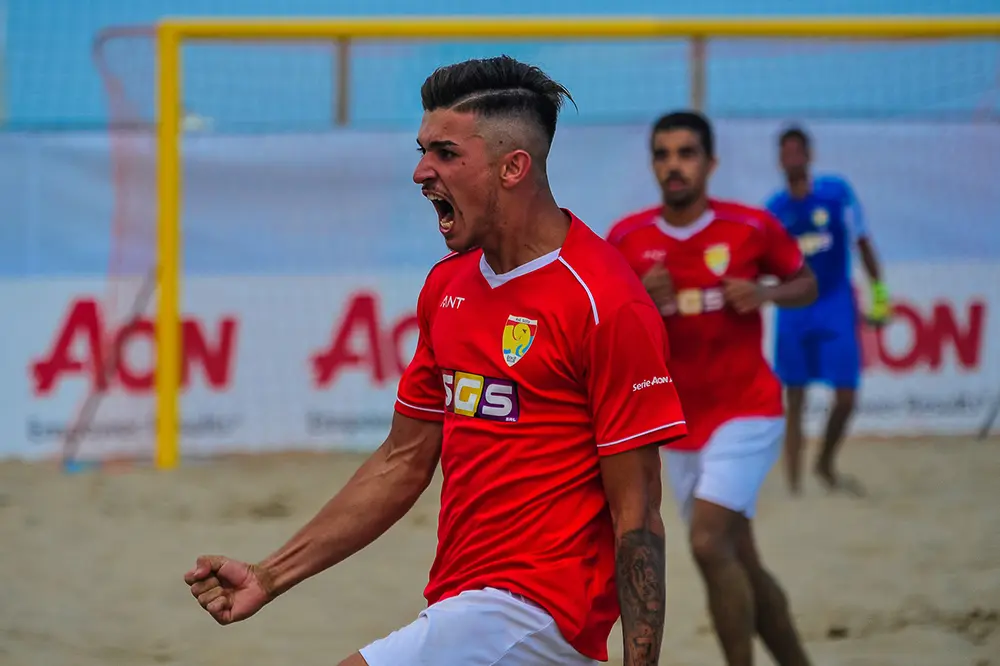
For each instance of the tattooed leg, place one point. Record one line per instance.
(641, 578)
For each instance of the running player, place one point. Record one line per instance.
(540, 384)
(701, 260)
(820, 343)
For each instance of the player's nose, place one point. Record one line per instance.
(423, 172)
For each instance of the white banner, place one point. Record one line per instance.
(312, 362)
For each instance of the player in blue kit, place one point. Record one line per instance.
(819, 343)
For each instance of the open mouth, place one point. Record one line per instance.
(445, 210)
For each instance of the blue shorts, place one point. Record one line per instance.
(819, 344)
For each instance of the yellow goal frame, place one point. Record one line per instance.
(172, 33)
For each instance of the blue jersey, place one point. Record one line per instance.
(826, 222)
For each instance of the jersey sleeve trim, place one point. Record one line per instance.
(664, 433)
(593, 303)
(422, 409)
(417, 412)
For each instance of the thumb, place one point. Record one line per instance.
(233, 572)
(660, 266)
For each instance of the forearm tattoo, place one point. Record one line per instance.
(641, 576)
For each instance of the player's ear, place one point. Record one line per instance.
(514, 167)
(712, 163)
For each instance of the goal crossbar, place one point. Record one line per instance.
(581, 28)
(171, 33)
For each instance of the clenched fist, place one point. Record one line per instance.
(660, 287)
(229, 590)
(743, 295)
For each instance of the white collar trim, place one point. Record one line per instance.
(684, 233)
(495, 280)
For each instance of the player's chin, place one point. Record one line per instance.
(455, 238)
(679, 198)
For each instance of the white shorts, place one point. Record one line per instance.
(477, 628)
(730, 469)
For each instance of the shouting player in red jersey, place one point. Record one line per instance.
(701, 260)
(539, 382)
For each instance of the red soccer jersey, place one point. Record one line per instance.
(537, 374)
(718, 361)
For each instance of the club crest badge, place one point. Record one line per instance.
(717, 258)
(820, 217)
(518, 334)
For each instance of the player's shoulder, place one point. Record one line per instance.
(778, 199)
(447, 268)
(831, 185)
(602, 273)
(742, 214)
(632, 222)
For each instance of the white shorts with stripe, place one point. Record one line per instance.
(489, 627)
(730, 470)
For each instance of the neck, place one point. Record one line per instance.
(526, 233)
(798, 186)
(686, 216)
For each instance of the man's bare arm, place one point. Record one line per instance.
(870, 259)
(383, 489)
(797, 291)
(633, 487)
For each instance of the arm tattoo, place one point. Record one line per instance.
(641, 577)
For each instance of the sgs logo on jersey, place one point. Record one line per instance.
(468, 394)
(692, 302)
(814, 243)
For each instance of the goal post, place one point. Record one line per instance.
(172, 34)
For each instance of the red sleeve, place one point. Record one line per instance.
(420, 394)
(781, 256)
(633, 401)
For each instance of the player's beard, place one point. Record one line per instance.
(680, 199)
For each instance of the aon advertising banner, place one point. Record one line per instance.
(272, 363)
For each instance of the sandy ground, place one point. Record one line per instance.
(91, 564)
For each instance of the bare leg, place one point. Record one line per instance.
(795, 397)
(354, 660)
(730, 597)
(836, 426)
(773, 620)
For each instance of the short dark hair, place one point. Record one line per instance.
(794, 132)
(688, 120)
(500, 86)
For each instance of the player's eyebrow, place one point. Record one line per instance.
(437, 145)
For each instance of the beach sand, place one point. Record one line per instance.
(91, 564)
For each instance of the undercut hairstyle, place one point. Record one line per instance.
(688, 120)
(794, 133)
(500, 87)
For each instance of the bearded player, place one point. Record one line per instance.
(820, 343)
(539, 383)
(701, 260)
